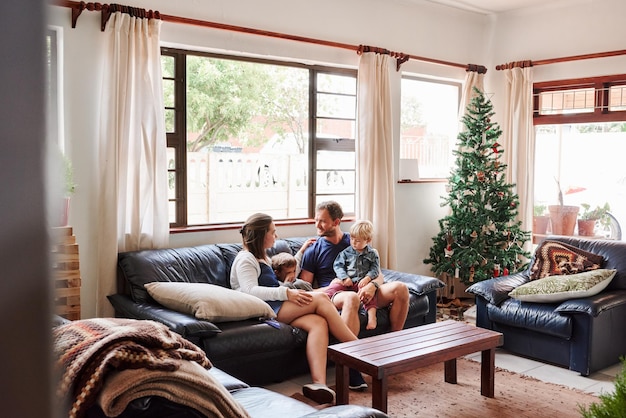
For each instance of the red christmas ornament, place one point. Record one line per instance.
(505, 271)
(495, 147)
(496, 270)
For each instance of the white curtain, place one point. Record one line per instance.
(132, 198)
(374, 152)
(519, 140)
(473, 79)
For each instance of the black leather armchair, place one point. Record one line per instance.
(585, 335)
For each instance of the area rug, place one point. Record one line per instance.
(423, 393)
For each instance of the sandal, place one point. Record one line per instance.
(319, 393)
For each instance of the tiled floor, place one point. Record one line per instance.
(596, 383)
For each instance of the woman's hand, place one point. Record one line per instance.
(299, 297)
(307, 243)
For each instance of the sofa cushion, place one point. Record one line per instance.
(200, 264)
(564, 287)
(556, 258)
(210, 302)
(537, 317)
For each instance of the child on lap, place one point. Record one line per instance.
(357, 266)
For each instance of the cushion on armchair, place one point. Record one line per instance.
(496, 290)
(564, 287)
(556, 258)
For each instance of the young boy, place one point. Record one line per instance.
(285, 266)
(357, 266)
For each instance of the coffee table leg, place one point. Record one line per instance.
(450, 371)
(341, 382)
(379, 394)
(487, 372)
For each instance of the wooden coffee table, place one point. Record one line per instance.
(397, 352)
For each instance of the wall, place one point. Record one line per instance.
(418, 28)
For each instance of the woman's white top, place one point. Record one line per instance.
(244, 276)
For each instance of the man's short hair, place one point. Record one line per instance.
(333, 208)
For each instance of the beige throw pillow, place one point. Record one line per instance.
(207, 301)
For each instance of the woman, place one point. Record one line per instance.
(313, 312)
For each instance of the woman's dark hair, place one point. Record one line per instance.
(253, 234)
(333, 208)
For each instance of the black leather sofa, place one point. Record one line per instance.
(249, 350)
(585, 335)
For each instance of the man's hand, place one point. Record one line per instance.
(364, 282)
(367, 292)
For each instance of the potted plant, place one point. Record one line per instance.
(563, 217)
(540, 219)
(589, 218)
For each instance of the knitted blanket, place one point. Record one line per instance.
(87, 350)
(190, 385)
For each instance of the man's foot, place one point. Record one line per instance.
(356, 381)
(319, 393)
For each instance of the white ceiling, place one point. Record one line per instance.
(489, 6)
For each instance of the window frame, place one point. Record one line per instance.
(177, 139)
(601, 112)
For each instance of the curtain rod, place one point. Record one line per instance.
(527, 63)
(78, 7)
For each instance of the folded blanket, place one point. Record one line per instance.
(88, 349)
(191, 385)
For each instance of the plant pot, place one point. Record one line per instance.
(540, 224)
(563, 219)
(586, 227)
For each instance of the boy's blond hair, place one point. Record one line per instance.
(362, 229)
(281, 260)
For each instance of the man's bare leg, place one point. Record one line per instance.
(348, 303)
(395, 294)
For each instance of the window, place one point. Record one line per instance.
(580, 136)
(54, 120)
(238, 137)
(429, 124)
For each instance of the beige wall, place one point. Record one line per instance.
(419, 28)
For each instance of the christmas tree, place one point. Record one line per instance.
(481, 237)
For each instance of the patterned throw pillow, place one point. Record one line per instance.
(559, 288)
(554, 258)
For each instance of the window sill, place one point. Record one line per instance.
(237, 226)
(424, 180)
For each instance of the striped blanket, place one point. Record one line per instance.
(87, 350)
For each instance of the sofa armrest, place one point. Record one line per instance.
(186, 325)
(496, 290)
(418, 284)
(594, 305)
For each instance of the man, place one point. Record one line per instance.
(317, 264)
